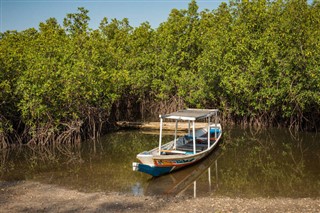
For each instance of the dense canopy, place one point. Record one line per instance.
(257, 61)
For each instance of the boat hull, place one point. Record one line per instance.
(153, 170)
(164, 166)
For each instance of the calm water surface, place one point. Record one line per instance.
(248, 163)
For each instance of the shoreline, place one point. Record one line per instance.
(30, 196)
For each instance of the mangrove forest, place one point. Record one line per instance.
(258, 61)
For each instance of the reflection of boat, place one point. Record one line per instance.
(185, 150)
(177, 182)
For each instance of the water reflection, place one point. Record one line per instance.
(270, 163)
(22, 163)
(263, 163)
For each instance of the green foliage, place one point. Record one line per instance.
(77, 23)
(261, 56)
(258, 61)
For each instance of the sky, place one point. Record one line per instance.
(23, 14)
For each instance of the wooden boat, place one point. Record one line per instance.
(184, 150)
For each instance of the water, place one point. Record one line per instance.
(248, 163)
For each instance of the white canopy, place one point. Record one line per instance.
(190, 114)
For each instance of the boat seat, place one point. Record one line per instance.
(173, 152)
(189, 147)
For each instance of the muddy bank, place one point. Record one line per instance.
(28, 196)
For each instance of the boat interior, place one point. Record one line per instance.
(184, 144)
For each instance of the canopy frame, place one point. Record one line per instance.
(189, 115)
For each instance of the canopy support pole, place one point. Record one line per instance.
(194, 137)
(215, 125)
(160, 136)
(208, 132)
(175, 136)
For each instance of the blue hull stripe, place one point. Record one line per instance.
(154, 171)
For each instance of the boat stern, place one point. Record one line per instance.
(146, 158)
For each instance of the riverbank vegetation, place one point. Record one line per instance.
(257, 61)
